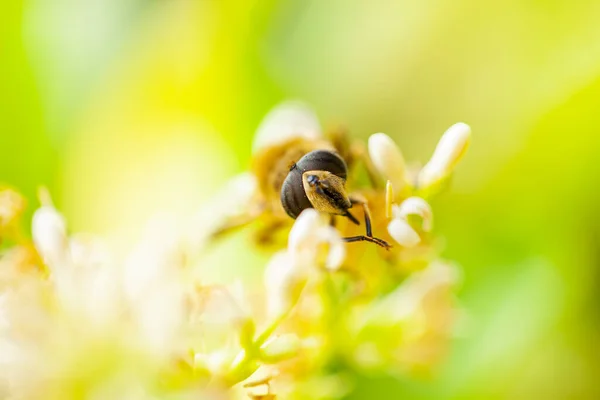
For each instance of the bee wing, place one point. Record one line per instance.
(288, 120)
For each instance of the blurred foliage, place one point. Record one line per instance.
(123, 108)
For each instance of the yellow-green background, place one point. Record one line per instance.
(125, 107)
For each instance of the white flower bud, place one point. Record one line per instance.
(284, 280)
(288, 120)
(415, 206)
(388, 160)
(447, 154)
(403, 233)
(49, 232)
(310, 233)
(304, 229)
(336, 249)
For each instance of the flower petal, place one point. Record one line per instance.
(415, 206)
(447, 154)
(49, 231)
(291, 119)
(403, 233)
(305, 229)
(388, 160)
(284, 279)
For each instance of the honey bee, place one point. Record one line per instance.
(296, 168)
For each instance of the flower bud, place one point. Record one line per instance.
(388, 160)
(447, 154)
(336, 249)
(49, 232)
(403, 233)
(415, 206)
(303, 230)
(313, 240)
(284, 280)
(288, 120)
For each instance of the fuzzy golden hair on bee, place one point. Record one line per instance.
(326, 192)
(272, 165)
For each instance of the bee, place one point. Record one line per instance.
(296, 167)
(318, 181)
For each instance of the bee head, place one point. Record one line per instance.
(316, 181)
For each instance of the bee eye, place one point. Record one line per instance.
(293, 197)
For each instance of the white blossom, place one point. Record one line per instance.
(403, 232)
(288, 120)
(447, 154)
(415, 206)
(49, 231)
(388, 160)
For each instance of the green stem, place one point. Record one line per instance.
(244, 367)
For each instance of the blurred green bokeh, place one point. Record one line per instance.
(126, 107)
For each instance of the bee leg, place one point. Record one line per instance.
(351, 217)
(232, 225)
(236, 222)
(370, 239)
(369, 230)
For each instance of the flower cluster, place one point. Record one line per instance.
(76, 321)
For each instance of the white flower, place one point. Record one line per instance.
(284, 280)
(49, 232)
(401, 228)
(312, 242)
(153, 283)
(311, 235)
(92, 316)
(403, 233)
(447, 154)
(288, 120)
(388, 160)
(415, 206)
